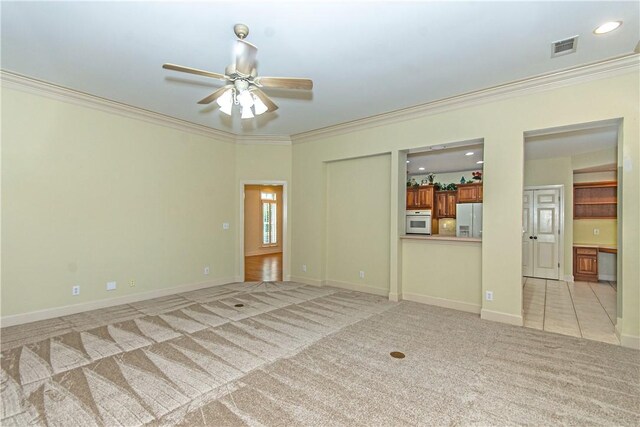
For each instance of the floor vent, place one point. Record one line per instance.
(564, 47)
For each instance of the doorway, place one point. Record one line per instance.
(542, 231)
(263, 228)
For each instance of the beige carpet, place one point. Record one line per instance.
(301, 355)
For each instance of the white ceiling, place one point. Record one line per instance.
(446, 160)
(365, 58)
(566, 144)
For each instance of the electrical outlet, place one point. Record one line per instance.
(206, 271)
(304, 267)
(132, 283)
(362, 274)
(111, 286)
(488, 295)
(225, 225)
(75, 290)
(596, 231)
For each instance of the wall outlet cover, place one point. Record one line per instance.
(207, 270)
(488, 295)
(75, 290)
(596, 231)
(111, 286)
(362, 274)
(304, 267)
(225, 225)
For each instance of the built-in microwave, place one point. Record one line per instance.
(419, 222)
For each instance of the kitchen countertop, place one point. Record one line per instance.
(441, 238)
(602, 248)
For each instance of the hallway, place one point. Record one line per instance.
(580, 309)
(263, 268)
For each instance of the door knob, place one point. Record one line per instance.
(531, 237)
(535, 237)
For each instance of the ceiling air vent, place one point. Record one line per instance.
(564, 47)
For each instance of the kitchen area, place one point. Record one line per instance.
(444, 194)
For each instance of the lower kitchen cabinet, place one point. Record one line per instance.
(585, 264)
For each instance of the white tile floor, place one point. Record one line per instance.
(580, 309)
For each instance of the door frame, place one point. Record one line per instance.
(286, 275)
(561, 260)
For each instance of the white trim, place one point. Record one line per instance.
(395, 297)
(50, 313)
(496, 316)
(263, 139)
(356, 287)
(585, 73)
(569, 278)
(306, 281)
(27, 84)
(630, 341)
(618, 327)
(285, 209)
(442, 302)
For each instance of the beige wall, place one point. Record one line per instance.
(253, 220)
(501, 123)
(90, 197)
(553, 172)
(358, 219)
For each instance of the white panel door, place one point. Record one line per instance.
(546, 228)
(541, 234)
(527, 233)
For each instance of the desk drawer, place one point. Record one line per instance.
(587, 251)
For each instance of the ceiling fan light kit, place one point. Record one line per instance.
(242, 82)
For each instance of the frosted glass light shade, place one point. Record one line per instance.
(258, 106)
(246, 113)
(245, 99)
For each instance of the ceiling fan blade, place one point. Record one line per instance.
(175, 67)
(271, 106)
(215, 95)
(245, 57)
(284, 82)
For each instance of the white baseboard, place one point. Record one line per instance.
(442, 302)
(630, 341)
(609, 277)
(496, 316)
(394, 297)
(306, 280)
(263, 252)
(568, 278)
(357, 287)
(50, 313)
(618, 327)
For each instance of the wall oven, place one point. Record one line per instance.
(419, 222)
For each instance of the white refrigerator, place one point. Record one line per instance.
(469, 220)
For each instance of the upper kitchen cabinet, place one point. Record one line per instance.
(420, 197)
(595, 200)
(446, 204)
(470, 193)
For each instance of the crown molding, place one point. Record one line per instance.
(263, 139)
(27, 84)
(585, 73)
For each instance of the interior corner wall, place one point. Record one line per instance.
(552, 172)
(90, 197)
(502, 123)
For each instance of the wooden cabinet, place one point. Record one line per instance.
(595, 200)
(420, 197)
(446, 204)
(585, 264)
(470, 193)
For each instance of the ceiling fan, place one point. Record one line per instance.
(242, 82)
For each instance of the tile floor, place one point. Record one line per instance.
(580, 309)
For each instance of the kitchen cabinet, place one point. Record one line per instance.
(446, 204)
(470, 193)
(585, 264)
(595, 200)
(420, 197)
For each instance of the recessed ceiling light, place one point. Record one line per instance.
(420, 169)
(469, 153)
(607, 27)
(479, 162)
